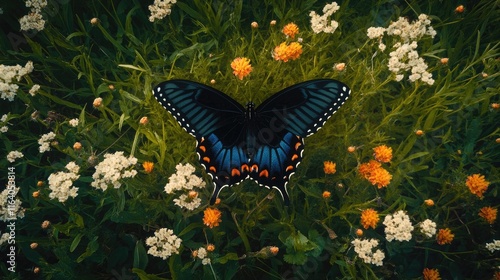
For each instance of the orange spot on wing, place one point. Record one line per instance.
(294, 157)
(235, 172)
(206, 159)
(297, 145)
(213, 169)
(255, 168)
(245, 168)
(203, 149)
(264, 173)
(288, 168)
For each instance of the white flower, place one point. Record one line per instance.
(13, 155)
(73, 167)
(428, 228)
(494, 246)
(364, 249)
(164, 243)
(375, 32)
(206, 261)
(398, 226)
(184, 201)
(61, 185)
(34, 89)
(4, 129)
(323, 23)
(45, 140)
(32, 21)
(202, 253)
(3, 238)
(74, 122)
(112, 169)
(4, 118)
(160, 9)
(183, 179)
(10, 206)
(9, 74)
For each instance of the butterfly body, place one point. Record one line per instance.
(265, 142)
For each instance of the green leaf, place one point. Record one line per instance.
(145, 276)
(75, 242)
(91, 249)
(228, 257)
(140, 256)
(297, 259)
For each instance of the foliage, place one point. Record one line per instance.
(122, 55)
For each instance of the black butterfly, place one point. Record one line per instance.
(265, 142)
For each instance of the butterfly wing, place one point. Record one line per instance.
(218, 123)
(282, 122)
(303, 108)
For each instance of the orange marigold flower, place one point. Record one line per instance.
(489, 214)
(241, 67)
(380, 177)
(286, 52)
(365, 169)
(329, 167)
(382, 153)
(431, 274)
(429, 202)
(477, 184)
(444, 236)
(212, 217)
(290, 30)
(274, 250)
(369, 218)
(359, 232)
(459, 9)
(148, 166)
(326, 194)
(210, 247)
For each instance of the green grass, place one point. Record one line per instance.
(102, 234)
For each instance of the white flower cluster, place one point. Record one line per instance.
(10, 207)
(405, 57)
(61, 183)
(398, 226)
(493, 246)
(13, 155)
(3, 238)
(34, 89)
(202, 253)
(160, 9)
(428, 228)
(8, 74)
(74, 122)
(185, 180)
(4, 123)
(364, 249)
(112, 169)
(45, 140)
(33, 20)
(164, 243)
(323, 23)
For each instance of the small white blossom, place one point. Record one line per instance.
(74, 122)
(160, 9)
(164, 243)
(364, 249)
(3, 238)
(398, 226)
(184, 179)
(13, 155)
(493, 246)
(10, 74)
(375, 32)
(4, 129)
(428, 228)
(4, 118)
(10, 206)
(206, 261)
(34, 89)
(323, 23)
(112, 169)
(45, 140)
(202, 253)
(184, 201)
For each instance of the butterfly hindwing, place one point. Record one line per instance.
(198, 108)
(303, 108)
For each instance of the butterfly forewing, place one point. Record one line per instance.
(303, 108)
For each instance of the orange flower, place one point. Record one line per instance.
(431, 274)
(380, 177)
(329, 167)
(241, 67)
(286, 52)
(369, 218)
(365, 169)
(274, 250)
(290, 30)
(460, 9)
(382, 153)
(212, 217)
(429, 202)
(489, 214)
(444, 236)
(210, 247)
(326, 194)
(148, 166)
(477, 184)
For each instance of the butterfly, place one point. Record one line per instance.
(265, 142)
